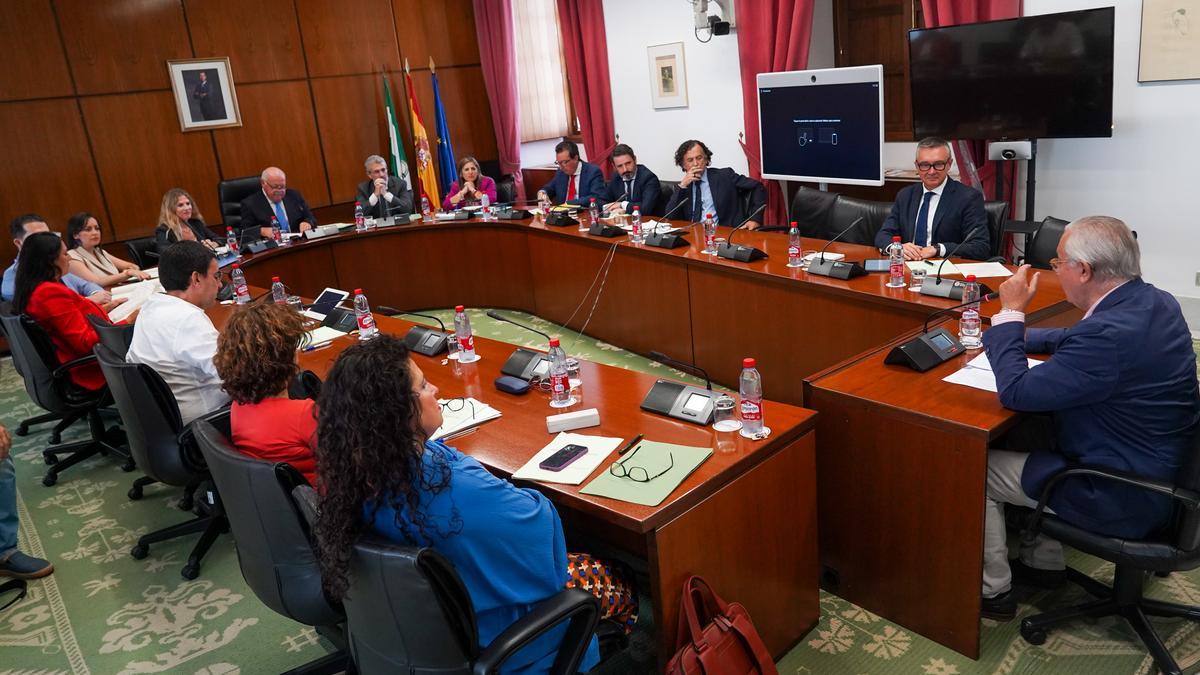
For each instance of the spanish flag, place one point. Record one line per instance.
(426, 176)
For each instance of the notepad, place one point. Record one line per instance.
(473, 412)
(323, 334)
(932, 267)
(135, 294)
(978, 374)
(599, 449)
(984, 269)
(654, 457)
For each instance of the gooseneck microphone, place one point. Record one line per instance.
(955, 250)
(932, 347)
(422, 339)
(837, 269)
(686, 198)
(839, 236)
(500, 317)
(663, 358)
(729, 251)
(934, 286)
(392, 310)
(665, 240)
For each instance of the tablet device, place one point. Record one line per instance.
(329, 298)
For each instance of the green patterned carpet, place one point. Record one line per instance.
(104, 612)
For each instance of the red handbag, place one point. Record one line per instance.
(716, 637)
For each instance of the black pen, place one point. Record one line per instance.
(629, 445)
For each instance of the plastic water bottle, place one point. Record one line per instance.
(278, 292)
(710, 235)
(593, 217)
(466, 340)
(231, 241)
(486, 203)
(560, 382)
(360, 223)
(240, 290)
(276, 233)
(895, 251)
(970, 334)
(794, 257)
(750, 388)
(544, 203)
(637, 236)
(362, 314)
(426, 210)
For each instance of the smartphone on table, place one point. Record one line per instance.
(563, 458)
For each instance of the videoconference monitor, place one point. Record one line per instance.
(1048, 76)
(822, 126)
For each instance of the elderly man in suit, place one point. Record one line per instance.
(631, 184)
(576, 182)
(1121, 387)
(275, 199)
(382, 195)
(716, 191)
(935, 216)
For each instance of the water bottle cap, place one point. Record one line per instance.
(358, 291)
(274, 280)
(554, 342)
(458, 308)
(970, 277)
(708, 215)
(896, 238)
(237, 266)
(748, 363)
(636, 207)
(793, 223)
(358, 203)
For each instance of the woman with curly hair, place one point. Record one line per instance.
(382, 474)
(256, 359)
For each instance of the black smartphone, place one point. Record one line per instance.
(563, 458)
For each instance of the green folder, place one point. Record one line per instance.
(653, 457)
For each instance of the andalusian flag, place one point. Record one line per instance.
(445, 151)
(399, 162)
(425, 173)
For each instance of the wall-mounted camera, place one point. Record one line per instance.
(716, 23)
(1010, 150)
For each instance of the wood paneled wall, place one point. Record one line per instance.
(88, 120)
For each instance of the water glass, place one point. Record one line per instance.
(916, 278)
(452, 347)
(295, 303)
(369, 223)
(723, 414)
(573, 373)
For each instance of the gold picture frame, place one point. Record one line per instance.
(204, 94)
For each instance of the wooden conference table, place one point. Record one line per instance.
(900, 472)
(745, 519)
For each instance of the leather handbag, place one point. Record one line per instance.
(716, 637)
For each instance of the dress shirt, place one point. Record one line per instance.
(706, 199)
(78, 284)
(178, 340)
(387, 196)
(1010, 315)
(628, 188)
(933, 204)
(279, 210)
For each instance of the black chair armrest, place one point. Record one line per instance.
(65, 369)
(1190, 498)
(583, 610)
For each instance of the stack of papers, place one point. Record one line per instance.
(978, 374)
(828, 256)
(985, 269)
(323, 334)
(599, 448)
(136, 295)
(932, 267)
(472, 413)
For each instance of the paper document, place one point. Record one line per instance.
(978, 373)
(136, 295)
(599, 448)
(323, 334)
(828, 256)
(472, 412)
(985, 269)
(153, 272)
(653, 459)
(931, 266)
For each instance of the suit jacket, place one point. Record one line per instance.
(164, 237)
(257, 212)
(483, 184)
(727, 187)
(401, 204)
(959, 211)
(62, 313)
(645, 192)
(591, 184)
(1122, 387)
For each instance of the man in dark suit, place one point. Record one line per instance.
(1121, 386)
(382, 195)
(934, 217)
(208, 99)
(576, 181)
(275, 199)
(715, 191)
(631, 184)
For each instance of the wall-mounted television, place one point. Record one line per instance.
(1047, 76)
(822, 126)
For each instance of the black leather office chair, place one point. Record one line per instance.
(506, 189)
(272, 540)
(666, 189)
(812, 210)
(1045, 243)
(143, 252)
(1176, 548)
(156, 441)
(231, 193)
(49, 384)
(997, 213)
(117, 337)
(849, 209)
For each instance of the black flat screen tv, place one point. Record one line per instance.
(1048, 76)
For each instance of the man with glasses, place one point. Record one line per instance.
(576, 182)
(632, 183)
(1120, 386)
(933, 217)
(275, 199)
(175, 337)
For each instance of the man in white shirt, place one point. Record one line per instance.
(175, 337)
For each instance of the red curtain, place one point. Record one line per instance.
(773, 36)
(498, 57)
(586, 50)
(974, 169)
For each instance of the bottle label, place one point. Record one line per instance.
(896, 268)
(366, 322)
(559, 384)
(466, 343)
(793, 251)
(710, 239)
(243, 293)
(751, 410)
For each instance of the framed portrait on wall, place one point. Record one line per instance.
(668, 76)
(1170, 44)
(204, 95)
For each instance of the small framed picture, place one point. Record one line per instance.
(204, 94)
(668, 76)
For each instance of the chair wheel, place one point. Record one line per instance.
(139, 551)
(135, 492)
(55, 438)
(50, 479)
(22, 430)
(128, 466)
(1033, 635)
(190, 572)
(51, 459)
(185, 503)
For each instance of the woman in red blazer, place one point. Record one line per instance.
(60, 311)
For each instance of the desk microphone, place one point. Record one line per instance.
(933, 285)
(672, 240)
(932, 348)
(500, 317)
(741, 253)
(663, 358)
(422, 339)
(837, 269)
(681, 401)
(524, 363)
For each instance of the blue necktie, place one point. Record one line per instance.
(919, 237)
(281, 216)
(697, 207)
